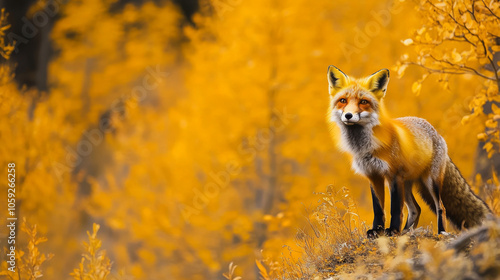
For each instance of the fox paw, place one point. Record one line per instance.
(391, 232)
(375, 232)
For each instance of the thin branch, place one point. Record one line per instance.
(463, 67)
(443, 71)
(454, 71)
(465, 39)
(471, 12)
(488, 8)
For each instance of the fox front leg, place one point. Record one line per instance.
(377, 190)
(397, 203)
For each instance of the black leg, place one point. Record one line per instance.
(377, 191)
(378, 211)
(440, 211)
(397, 202)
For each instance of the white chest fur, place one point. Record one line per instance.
(370, 165)
(359, 142)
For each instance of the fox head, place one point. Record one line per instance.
(356, 101)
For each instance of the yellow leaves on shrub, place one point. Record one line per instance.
(454, 41)
(416, 87)
(407, 42)
(29, 261)
(230, 275)
(95, 265)
(482, 136)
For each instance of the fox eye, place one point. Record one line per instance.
(363, 102)
(343, 100)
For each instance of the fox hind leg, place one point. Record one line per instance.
(412, 206)
(434, 187)
(441, 211)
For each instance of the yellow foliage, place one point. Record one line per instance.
(461, 37)
(95, 265)
(29, 261)
(195, 145)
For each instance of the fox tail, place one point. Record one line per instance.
(464, 209)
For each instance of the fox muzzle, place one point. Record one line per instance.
(349, 118)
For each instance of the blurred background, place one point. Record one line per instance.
(194, 132)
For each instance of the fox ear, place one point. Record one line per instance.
(336, 78)
(377, 82)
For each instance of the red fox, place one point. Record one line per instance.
(403, 151)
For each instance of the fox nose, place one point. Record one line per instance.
(348, 116)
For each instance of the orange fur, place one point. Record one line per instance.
(402, 151)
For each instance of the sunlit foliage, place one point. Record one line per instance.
(200, 146)
(419, 254)
(461, 37)
(29, 260)
(95, 265)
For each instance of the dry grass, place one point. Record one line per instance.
(332, 243)
(94, 265)
(336, 247)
